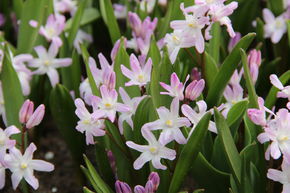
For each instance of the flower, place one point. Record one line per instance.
(132, 104)
(122, 187)
(175, 89)
(278, 132)
(194, 89)
(154, 151)
(5, 141)
(46, 63)
(54, 26)
(120, 11)
(63, 6)
(2, 176)
(23, 166)
(233, 41)
(154, 177)
(80, 38)
(107, 106)
(274, 27)
(88, 124)
(284, 91)
(30, 118)
(193, 24)
(176, 40)
(2, 19)
(147, 5)
(86, 92)
(169, 122)
(195, 116)
(281, 176)
(140, 75)
(254, 61)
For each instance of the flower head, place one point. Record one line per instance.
(284, 91)
(194, 89)
(63, 6)
(80, 38)
(28, 117)
(86, 92)
(281, 176)
(154, 151)
(5, 141)
(175, 89)
(254, 61)
(120, 11)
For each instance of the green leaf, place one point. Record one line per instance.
(227, 69)
(92, 82)
(231, 152)
(276, 6)
(86, 190)
(236, 112)
(272, 96)
(260, 30)
(88, 16)
(109, 18)
(62, 109)
(17, 6)
(27, 35)
(90, 178)
(210, 70)
(288, 29)
(76, 22)
(12, 91)
(188, 153)
(96, 177)
(215, 41)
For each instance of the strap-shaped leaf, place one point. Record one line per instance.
(227, 69)
(188, 153)
(237, 112)
(86, 190)
(89, 15)
(231, 152)
(215, 41)
(210, 70)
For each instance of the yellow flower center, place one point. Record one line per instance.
(283, 138)
(176, 39)
(108, 105)
(209, 1)
(23, 166)
(192, 25)
(140, 78)
(51, 31)
(169, 123)
(279, 24)
(153, 149)
(46, 62)
(86, 122)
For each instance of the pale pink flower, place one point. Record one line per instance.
(193, 25)
(5, 141)
(177, 40)
(29, 117)
(195, 115)
(132, 104)
(120, 11)
(254, 62)
(2, 176)
(281, 176)
(153, 152)
(284, 91)
(274, 27)
(278, 132)
(46, 63)
(80, 38)
(107, 106)
(64, 6)
(86, 91)
(54, 27)
(286, 4)
(116, 48)
(175, 89)
(233, 41)
(122, 187)
(88, 124)
(23, 166)
(139, 74)
(147, 5)
(194, 89)
(169, 122)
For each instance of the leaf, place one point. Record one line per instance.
(62, 109)
(12, 91)
(237, 112)
(76, 22)
(86, 190)
(226, 70)
(210, 70)
(188, 153)
(17, 6)
(109, 18)
(272, 96)
(288, 29)
(231, 152)
(276, 6)
(27, 35)
(96, 177)
(215, 41)
(90, 178)
(86, 56)
(88, 16)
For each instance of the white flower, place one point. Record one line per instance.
(80, 38)
(86, 91)
(281, 176)
(5, 141)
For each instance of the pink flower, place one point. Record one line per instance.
(64, 6)
(254, 61)
(274, 27)
(86, 91)
(140, 75)
(154, 177)
(5, 141)
(28, 117)
(88, 124)
(153, 152)
(46, 63)
(175, 89)
(192, 25)
(122, 187)
(281, 176)
(278, 132)
(54, 27)
(194, 89)
(234, 41)
(116, 48)
(132, 104)
(2, 19)
(2, 176)
(284, 91)
(120, 11)
(195, 115)
(80, 38)
(107, 106)
(23, 166)
(169, 122)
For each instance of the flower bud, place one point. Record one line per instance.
(194, 89)
(112, 160)
(117, 47)
(36, 117)
(122, 187)
(26, 111)
(139, 189)
(149, 188)
(234, 41)
(254, 61)
(154, 177)
(257, 116)
(195, 74)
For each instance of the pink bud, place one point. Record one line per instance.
(194, 89)
(149, 188)
(234, 41)
(109, 78)
(195, 74)
(26, 111)
(36, 117)
(122, 187)
(254, 61)
(154, 177)
(139, 189)
(117, 47)
(112, 160)
(257, 116)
